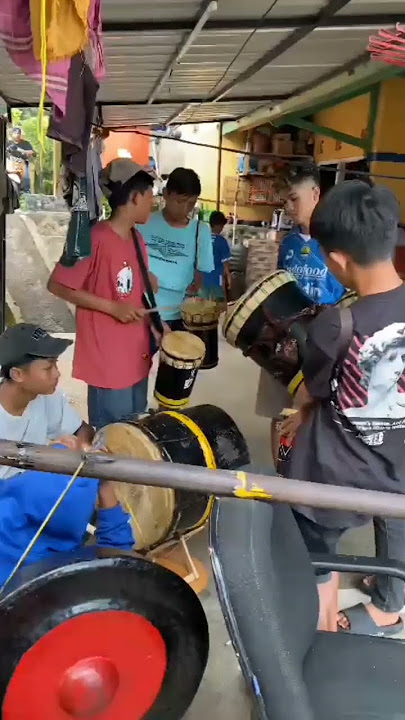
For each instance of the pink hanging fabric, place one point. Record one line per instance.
(15, 32)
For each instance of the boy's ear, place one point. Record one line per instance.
(317, 192)
(338, 260)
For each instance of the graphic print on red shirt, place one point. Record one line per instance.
(109, 354)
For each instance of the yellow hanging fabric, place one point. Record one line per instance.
(67, 31)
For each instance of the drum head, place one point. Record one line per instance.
(183, 345)
(109, 639)
(151, 508)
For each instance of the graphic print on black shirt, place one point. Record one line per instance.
(371, 392)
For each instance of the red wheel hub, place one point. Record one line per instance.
(103, 665)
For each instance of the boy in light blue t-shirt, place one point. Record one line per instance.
(179, 249)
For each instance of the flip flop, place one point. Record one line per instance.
(361, 623)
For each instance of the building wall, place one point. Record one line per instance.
(350, 117)
(138, 146)
(389, 138)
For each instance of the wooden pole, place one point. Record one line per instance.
(246, 486)
(219, 165)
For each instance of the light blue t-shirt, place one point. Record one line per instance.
(172, 254)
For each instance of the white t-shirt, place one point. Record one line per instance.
(45, 418)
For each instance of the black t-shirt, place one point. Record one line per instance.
(356, 433)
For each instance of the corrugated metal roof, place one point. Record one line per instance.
(145, 36)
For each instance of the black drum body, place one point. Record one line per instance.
(277, 296)
(205, 436)
(209, 335)
(270, 323)
(180, 357)
(102, 635)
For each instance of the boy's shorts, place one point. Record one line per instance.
(272, 396)
(318, 539)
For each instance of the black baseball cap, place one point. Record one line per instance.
(24, 339)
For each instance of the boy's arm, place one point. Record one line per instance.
(321, 353)
(113, 527)
(67, 283)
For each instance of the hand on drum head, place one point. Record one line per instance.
(70, 442)
(125, 313)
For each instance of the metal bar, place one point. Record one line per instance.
(292, 39)
(174, 116)
(243, 25)
(372, 116)
(2, 234)
(207, 8)
(326, 131)
(245, 486)
(219, 166)
(16, 103)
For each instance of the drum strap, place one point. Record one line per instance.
(150, 295)
(346, 332)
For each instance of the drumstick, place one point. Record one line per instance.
(162, 309)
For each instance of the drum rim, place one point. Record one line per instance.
(167, 494)
(231, 334)
(178, 356)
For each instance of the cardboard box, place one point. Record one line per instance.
(282, 145)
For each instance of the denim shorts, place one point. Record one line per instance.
(107, 406)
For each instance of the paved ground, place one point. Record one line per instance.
(232, 386)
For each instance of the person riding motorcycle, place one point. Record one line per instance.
(22, 150)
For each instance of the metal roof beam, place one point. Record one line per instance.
(206, 9)
(169, 101)
(332, 7)
(243, 25)
(326, 94)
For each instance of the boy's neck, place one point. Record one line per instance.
(379, 278)
(13, 399)
(121, 225)
(174, 223)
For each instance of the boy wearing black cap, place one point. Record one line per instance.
(112, 352)
(33, 410)
(31, 407)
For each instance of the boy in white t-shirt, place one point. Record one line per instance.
(33, 410)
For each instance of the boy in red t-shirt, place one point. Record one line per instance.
(112, 353)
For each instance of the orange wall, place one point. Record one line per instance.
(350, 117)
(137, 145)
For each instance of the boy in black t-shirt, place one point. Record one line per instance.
(351, 431)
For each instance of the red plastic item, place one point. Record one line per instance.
(389, 46)
(102, 665)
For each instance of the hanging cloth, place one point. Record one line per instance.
(67, 29)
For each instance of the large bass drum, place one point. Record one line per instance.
(203, 435)
(93, 635)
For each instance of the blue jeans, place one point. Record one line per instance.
(107, 406)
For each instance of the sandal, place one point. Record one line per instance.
(361, 623)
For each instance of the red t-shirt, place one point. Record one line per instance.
(109, 354)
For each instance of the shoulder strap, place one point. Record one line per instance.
(197, 245)
(155, 317)
(346, 332)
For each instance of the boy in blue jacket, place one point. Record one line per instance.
(33, 410)
(301, 256)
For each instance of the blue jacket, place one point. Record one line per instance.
(302, 257)
(25, 500)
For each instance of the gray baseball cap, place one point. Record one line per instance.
(25, 339)
(118, 172)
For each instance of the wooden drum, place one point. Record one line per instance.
(203, 435)
(200, 317)
(181, 354)
(269, 324)
(100, 634)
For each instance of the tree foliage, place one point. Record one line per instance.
(27, 120)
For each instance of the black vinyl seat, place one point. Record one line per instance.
(267, 589)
